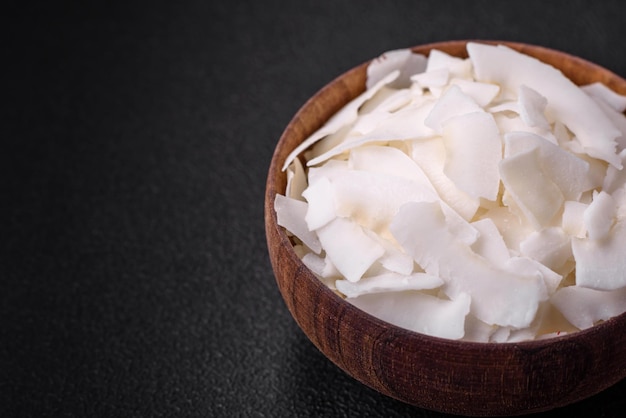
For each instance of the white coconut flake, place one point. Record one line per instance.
(430, 155)
(584, 307)
(615, 178)
(513, 228)
(366, 123)
(527, 267)
(404, 61)
(457, 67)
(500, 335)
(532, 106)
(394, 259)
(330, 271)
(573, 219)
(320, 266)
(482, 93)
(418, 312)
(551, 247)
(538, 198)
(386, 101)
(511, 122)
(390, 161)
(290, 214)
(321, 203)
(567, 171)
(620, 123)
(452, 103)
(296, 180)
(600, 264)
(315, 263)
(372, 199)
(473, 152)
(490, 243)
(601, 92)
(389, 282)
(331, 170)
(351, 251)
(435, 79)
(600, 216)
(477, 331)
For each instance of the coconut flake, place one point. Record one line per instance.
(350, 249)
(386, 101)
(599, 216)
(490, 243)
(511, 122)
(532, 106)
(457, 67)
(390, 161)
(433, 80)
(537, 197)
(568, 172)
(403, 60)
(527, 267)
(290, 214)
(584, 307)
(452, 103)
(296, 180)
(430, 155)
(372, 199)
(573, 219)
(513, 228)
(418, 312)
(481, 93)
(600, 264)
(394, 259)
(477, 331)
(321, 203)
(601, 92)
(388, 282)
(315, 263)
(615, 178)
(473, 152)
(551, 247)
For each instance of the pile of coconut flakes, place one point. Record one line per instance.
(480, 199)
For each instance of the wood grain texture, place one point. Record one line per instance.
(443, 375)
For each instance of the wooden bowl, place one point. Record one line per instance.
(466, 378)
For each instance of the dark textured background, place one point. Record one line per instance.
(134, 276)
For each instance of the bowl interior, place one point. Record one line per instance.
(442, 375)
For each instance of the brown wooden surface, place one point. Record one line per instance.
(443, 375)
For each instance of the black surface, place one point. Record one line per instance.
(136, 137)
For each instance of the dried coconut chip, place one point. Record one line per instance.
(418, 312)
(467, 199)
(388, 282)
